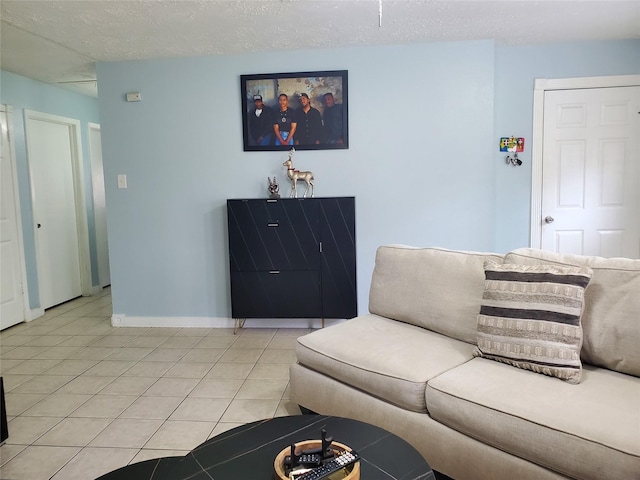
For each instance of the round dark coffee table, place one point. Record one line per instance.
(248, 451)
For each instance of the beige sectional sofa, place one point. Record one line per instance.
(411, 366)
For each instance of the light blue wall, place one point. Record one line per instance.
(516, 71)
(24, 93)
(423, 164)
(420, 163)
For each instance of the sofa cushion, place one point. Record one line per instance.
(530, 317)
(432, 288)
(385, 358)
(611, 319)
(589, 430)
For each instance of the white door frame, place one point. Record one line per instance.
(79, 193)
(541, 86)
(27, 314)
(104, 275)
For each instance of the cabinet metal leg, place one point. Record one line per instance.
(238, 324)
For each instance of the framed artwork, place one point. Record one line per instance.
(305, 110)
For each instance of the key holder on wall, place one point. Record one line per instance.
(513, 145)
(515, 161)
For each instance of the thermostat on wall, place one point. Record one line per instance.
(133, 97)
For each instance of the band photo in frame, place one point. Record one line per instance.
(305, 110)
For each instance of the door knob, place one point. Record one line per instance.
(549, 219)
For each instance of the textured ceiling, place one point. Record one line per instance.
(58, 41)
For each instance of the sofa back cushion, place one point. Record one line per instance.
(433, 288)
(611, 318)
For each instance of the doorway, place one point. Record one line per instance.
(586, 166)
(61, 232)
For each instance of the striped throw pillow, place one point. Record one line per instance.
(530, 317)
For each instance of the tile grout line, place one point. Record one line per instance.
(105, 338)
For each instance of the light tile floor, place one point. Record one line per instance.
(84, 398)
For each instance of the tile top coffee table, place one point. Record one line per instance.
(248, 451)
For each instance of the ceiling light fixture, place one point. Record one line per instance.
(379, 13)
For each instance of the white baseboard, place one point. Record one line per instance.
(33, 313)
(94, 290)
(121, 320)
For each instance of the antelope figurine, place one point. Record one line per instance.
(296, 175)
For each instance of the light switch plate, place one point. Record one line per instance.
(122, 181)
(134, 97)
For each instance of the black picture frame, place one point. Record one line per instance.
(332, 131)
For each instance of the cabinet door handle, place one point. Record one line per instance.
(320, 247)
(274, 272)
(272, 224)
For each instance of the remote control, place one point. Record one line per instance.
(345, 459)
(307, 460)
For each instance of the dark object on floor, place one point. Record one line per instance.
(4, 430)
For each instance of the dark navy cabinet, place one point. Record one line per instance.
(292, 257)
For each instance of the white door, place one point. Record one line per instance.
(99, 204)
(51, 153)
(591, 172)
(11, 288)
